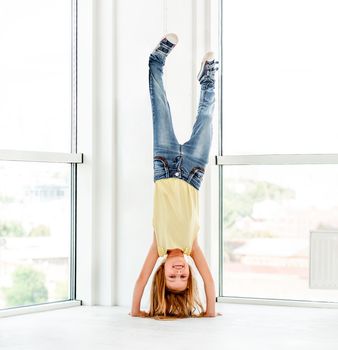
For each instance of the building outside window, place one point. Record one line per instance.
(279, 145)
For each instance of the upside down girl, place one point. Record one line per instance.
(178, 173)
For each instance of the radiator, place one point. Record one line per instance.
(323, 260)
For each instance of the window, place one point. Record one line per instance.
(278, 157)
(38, 156)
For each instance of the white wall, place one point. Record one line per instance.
(115, 228)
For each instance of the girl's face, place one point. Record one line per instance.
(176, 271)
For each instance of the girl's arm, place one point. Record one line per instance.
(209, 285)
(142, 279)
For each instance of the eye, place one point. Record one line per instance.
(183, 276)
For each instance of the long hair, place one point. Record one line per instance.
(166, 303)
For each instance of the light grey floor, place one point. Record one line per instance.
(240, 327)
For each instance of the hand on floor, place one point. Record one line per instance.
(139, 314)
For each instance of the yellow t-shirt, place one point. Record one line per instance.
(175, 215)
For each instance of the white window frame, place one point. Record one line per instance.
(222, 160)
(73, 158)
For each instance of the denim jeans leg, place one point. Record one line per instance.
(163, 131)
(198, 146)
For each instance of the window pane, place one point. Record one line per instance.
(34, 233)
(269, 211)
(280, 76)
(35, 70)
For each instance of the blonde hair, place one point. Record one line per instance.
(166, 303)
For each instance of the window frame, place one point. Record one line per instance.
(73, 158)
(222, 160)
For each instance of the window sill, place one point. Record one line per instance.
(38, 308)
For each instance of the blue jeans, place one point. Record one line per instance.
(171, 159)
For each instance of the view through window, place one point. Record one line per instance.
(279, 97)
(35, 116)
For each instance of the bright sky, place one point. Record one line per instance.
(35, 70)
(280, 75)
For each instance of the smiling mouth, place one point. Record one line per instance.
(178, 266)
